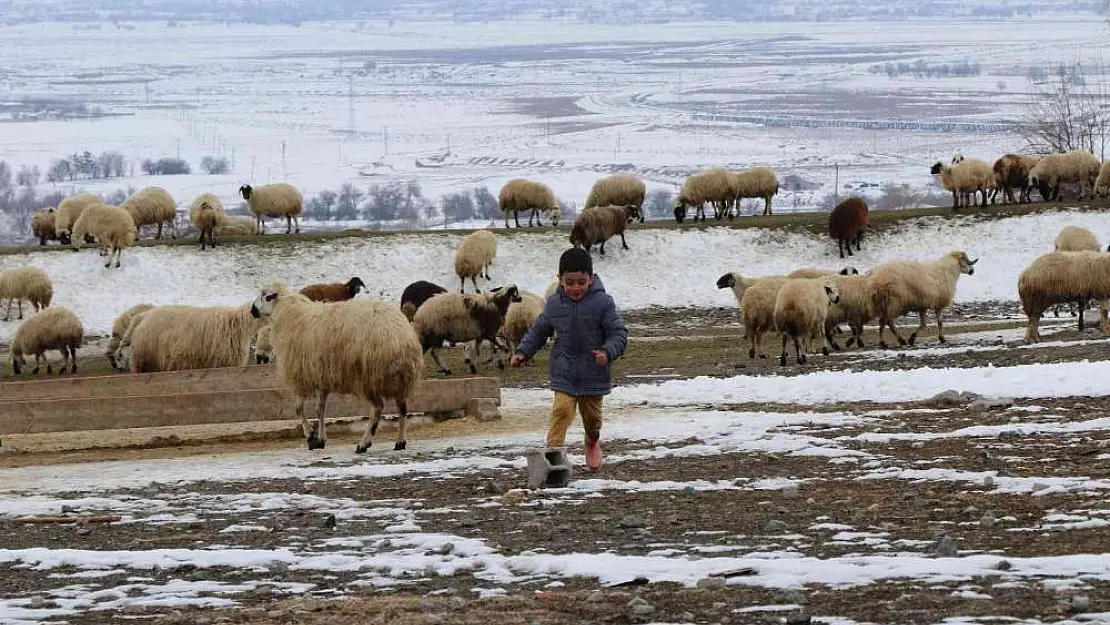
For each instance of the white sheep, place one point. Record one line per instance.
(357, 347)
(123, 352)
(274, 200)
(713, 187)
(110, 226)
(119, 328)
(519, 195)
(965, 178)
(264, 346)
(618, 190)
(177, 338)
(855, 307)
(757, 308)
(901, 286)
(474, 256)
(757, 182)
(25, 283)
(464, 318)
(1075, 167)
(801, 309)
(68, 211)
(813, 272)
(54, 328)
(1075, 239)
(236, 226)
(519, 318)
(1059, 277)
(150, 206)
(1102, 183)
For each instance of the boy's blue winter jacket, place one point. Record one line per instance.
(580, 328)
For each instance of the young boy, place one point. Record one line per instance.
(590, 335)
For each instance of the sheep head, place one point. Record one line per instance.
(832, 292)
(849, 271)
(245, 191)
(632, 213)
(354, 285)
(967, 265)
(726, 281)
(937, 168)
(555, 213)
(264, 304)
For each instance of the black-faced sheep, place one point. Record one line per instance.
(901, 286)
(713, 187)
(965, 178)
(177, 338)
(274, 200)
(801, 310)
(847, 222)
(119, 328)
(150, 206)
(519, 195)
(42, 226)
(110, 226)
(1059, 277)
(415, 294)
(334, 292)
(25, 283)
(619, 190)
(464, 318)
(68, 211)
(357, 347)
(474, 256)
(54, 328)
(596, 225)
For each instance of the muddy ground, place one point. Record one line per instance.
(832, 507)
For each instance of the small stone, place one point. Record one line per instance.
(1005, 434)
(632, 521)
(774, 525)
(639, 607)
(274, 614)
(799, 618)
(988, 521)
(990, 403)
(686, 617)
(917, 444)
(790, 491)
(946, 548)
(595, 597)
(497, 488)
(909, 494)
(68, 509)
(719, 605)
(83, 530)
(712, 583)
(971, 511)
(1003, 565)
(1080, 603)
(988, 482)
(329, 522)
(445, 549)
(514, 496)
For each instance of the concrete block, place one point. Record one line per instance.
(483, 409)
(548, 467)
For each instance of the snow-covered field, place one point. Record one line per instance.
(683, 266)
(437, 104)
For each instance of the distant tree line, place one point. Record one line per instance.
(19, 198)
(922, 69)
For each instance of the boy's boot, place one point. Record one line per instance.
(593, 454)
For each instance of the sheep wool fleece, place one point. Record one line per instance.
(580, 328)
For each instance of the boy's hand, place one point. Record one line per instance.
(601, 357)
(516, 360)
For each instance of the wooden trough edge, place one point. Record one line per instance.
(135, 407)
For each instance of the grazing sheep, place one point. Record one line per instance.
(757, 308)
(474, 256)
(68, 211)
(901, 286)
(464, 318)
(357, 347)
(965, 178)
(177, 338)
(1102, 183)
(236, 226)
(855, 307)
(1059, 277)
(801, 309)
(119, 328)
(54, 328)
(847, 222)
(713, 186)
(123, 352)
(206, 218)
(214, 202)
(519, 195)
(620, 190)
(739, 284)
(1012, 170)
(519, 318)
(415, 294)
(1075, 239)
(757, 182)
(25, 283)
(110, 226)
(264, 346)
(153, 205)
(598, 224)
(335, 291)
(274, 200)
(812, 272)
(42, 226)
(1075, 167)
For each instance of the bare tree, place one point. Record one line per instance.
(1069, 113)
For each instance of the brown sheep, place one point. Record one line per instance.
(847, 222)
(1012, 170)
(416, 294)
(598, 224)
(334, 292)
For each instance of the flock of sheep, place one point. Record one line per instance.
(966, 177)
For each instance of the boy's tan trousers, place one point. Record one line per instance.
(562, 415)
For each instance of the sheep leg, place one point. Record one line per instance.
(8, 315)
(462, 285)
(1080, 305)
(38, 363)
(829, 339)
(321, 426)
(470, 354)
(439, 361)
(940, 326)
(288, 224)
(799, 352)
(296, 224)
(378, 406)
(920, 328)
(298, 411)
(782, 356)
(20, 308)
(624, 244)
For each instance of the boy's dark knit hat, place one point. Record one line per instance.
(576, 259)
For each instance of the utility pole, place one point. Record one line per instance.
(179, 149)
(253, 157)
(385, 139)
(284, 175)
(617, 150)
(836, 184)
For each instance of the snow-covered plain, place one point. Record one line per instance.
(684, 265)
